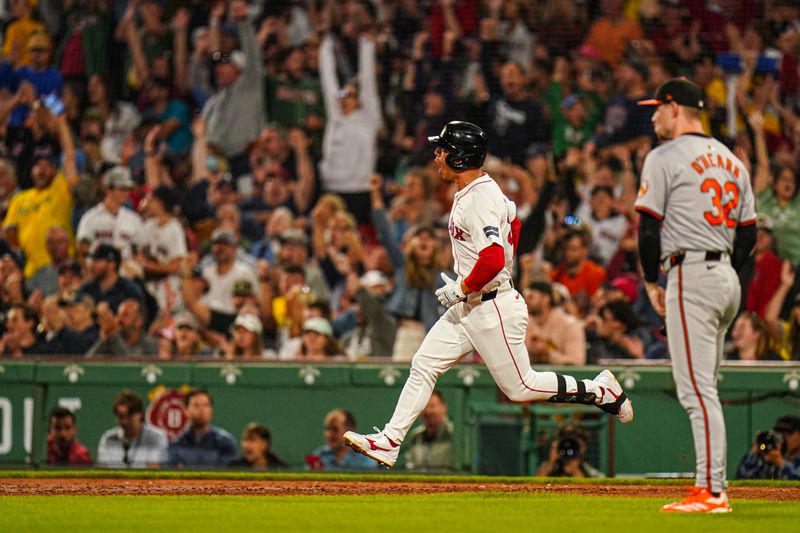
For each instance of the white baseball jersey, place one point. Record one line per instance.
(99, 225)
(220, 287)
(699, 190)
(481, 216)
(164, 243)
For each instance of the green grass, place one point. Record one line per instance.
(465, 512)
(312, 476)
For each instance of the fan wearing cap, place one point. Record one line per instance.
(111, 221)
(19, 32)
(553, 336)
(49, 202)
(349, 148)
(45, 79)
(224, 269)
(318, 343)
(80, 331)
(184, 340)
(293, 252)
(163, 244)
(246, 341)
(572, 124)
(234, 114)
(105, 284)
(375, 329)
(229, 284)
(780, 459)
(697, 221)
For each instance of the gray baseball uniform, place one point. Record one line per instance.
(700, 192)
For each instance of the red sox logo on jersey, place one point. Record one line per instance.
(456, 232)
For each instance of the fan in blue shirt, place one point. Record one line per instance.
(46, 79)
(202, 445)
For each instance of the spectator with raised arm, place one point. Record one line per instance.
(785, 332)
(33, 212)
(514, 118)
(776, 195)
(349, 146)
(235, 113)
(46, 79)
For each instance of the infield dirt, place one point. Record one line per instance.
(178, 487)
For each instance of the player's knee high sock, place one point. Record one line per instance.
(571, 390)
(413, 399)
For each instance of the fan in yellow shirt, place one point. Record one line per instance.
(33, 212)
(15, 44)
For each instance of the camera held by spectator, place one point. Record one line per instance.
(567, 454)
(775, 453)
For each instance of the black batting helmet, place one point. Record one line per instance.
(466, 145)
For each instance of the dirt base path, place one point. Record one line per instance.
(178, 487)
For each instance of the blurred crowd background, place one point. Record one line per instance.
(186, 179)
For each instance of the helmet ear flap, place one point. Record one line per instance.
(454, 161)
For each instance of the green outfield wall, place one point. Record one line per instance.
(291, 399)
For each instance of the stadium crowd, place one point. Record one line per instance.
(189, 179)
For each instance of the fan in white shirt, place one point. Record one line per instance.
(110, 222)
(163, 247)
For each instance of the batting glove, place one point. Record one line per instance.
(451, 293)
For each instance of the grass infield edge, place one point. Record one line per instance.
(360, 477)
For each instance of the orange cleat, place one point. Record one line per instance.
(700, 500)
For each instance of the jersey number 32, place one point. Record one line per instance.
(719, 214)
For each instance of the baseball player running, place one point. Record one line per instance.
(698, 220)
(484, 312)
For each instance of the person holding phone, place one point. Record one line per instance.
(45, 79)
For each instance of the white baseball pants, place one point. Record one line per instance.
(496, 330)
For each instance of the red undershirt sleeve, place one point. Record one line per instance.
(516, 228)
(491, 261)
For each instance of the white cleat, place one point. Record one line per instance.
(377, 446)
(612, 399)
